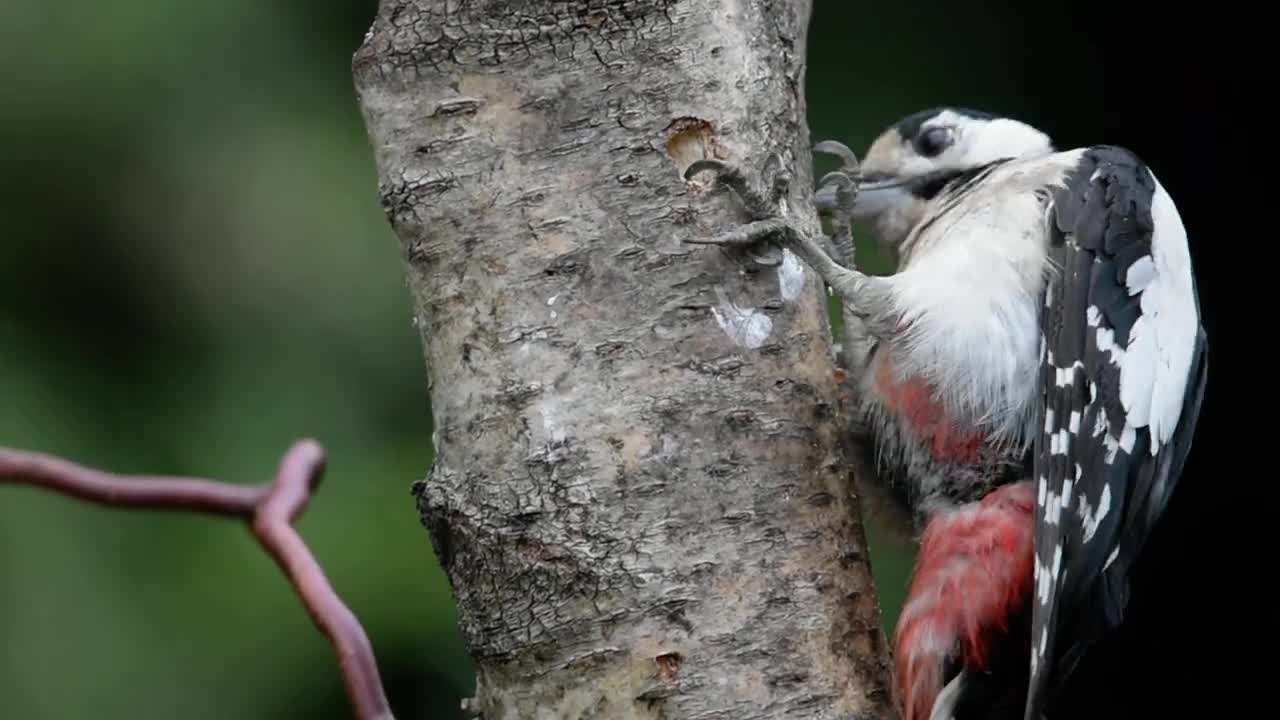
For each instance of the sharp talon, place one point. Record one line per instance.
(772, 260)
(847, 157)
(836, 194)
(706, 164)
(837, 177)
(838, 189)
(735, 179)
(846, 188)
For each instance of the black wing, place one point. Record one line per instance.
(1123, 365)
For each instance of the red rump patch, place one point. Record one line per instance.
(975, 568)
(915, 401)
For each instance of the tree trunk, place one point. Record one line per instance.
(640, 490)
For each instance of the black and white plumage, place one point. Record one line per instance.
(1040, 342)
(1122, 374)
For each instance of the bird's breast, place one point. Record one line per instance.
(918, 406)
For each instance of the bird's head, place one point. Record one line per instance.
(910, 162)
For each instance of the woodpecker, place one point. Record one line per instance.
(1033, 375)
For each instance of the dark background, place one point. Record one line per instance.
(194, 271)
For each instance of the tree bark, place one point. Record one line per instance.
(640, 489)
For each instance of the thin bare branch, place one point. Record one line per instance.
(142, 491)
(269, 509)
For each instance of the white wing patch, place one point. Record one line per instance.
(1156, 365)
(1128, 312)
(1140, 275)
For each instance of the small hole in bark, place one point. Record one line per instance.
(690, 139)
(669, 665)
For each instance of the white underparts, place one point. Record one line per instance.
(970, 299)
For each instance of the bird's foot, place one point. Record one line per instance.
(837, 191)
(761, 195)
(767, 223)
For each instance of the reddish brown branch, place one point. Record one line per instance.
(270, 509)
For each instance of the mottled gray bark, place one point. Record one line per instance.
(640, 491)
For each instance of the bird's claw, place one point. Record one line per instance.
(836, 194)
(762, 194)
(761, 203)
(848, 159)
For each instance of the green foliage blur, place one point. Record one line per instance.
(195, 272)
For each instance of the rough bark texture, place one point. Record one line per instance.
(640, 491)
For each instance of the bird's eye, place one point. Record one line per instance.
(933, 141)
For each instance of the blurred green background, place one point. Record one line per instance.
(195, 271)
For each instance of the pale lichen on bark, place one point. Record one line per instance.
(640, 491)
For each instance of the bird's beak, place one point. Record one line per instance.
(878, 192)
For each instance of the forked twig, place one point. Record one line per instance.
(270, 511)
